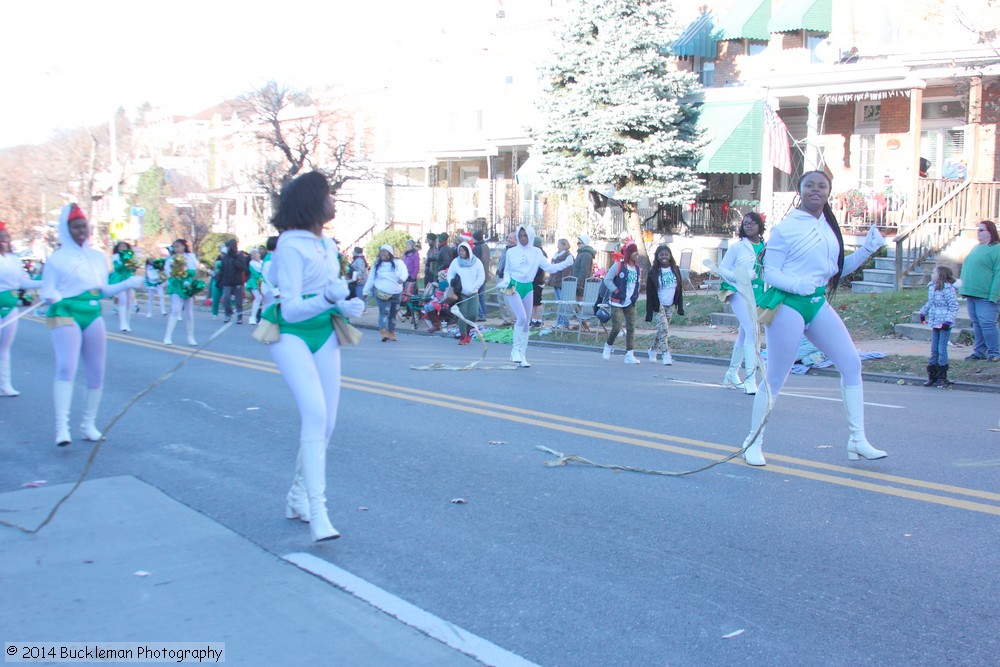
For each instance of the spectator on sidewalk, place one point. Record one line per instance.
(981, 288)
(235, 267)
(622, 283)
(664, 294)
(940, 312)
(385, 283)
(555, 281)
(411, 258)
(506, 314)
(481, 250)
(583, 265)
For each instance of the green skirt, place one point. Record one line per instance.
(315, 331)
(82, 309)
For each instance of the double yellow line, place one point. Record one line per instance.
(856, 478)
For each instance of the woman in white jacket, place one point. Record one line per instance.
(74, 280)
(802, 266)
(385, 282)
(306, 268)
(520, 266)
(743, 262)
(13, 278)
(470, 271)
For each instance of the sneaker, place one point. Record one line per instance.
(974, 357)
(630, 358)
(606, 354)
(536, 323)
(993, 357)
(524, 363)
(667, 359)
(652, 354)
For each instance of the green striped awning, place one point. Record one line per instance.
(814, 15)
(698, 40)
(747, 22)
(735, 134)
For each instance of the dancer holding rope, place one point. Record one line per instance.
(521, 264)
(73, 282)
(306, 268)
(471, 275)
(804, 261)
(13, 277)
(745, 255)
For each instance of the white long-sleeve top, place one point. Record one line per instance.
(304, 264)
(473, 276)
(12, 274)
(740, 255)
(523, 261)
(802, 254)
(387, 277)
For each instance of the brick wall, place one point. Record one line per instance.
(895, 117)
(726, 68)
(839, 119)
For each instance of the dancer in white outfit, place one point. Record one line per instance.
(306, 268)
(520, 266)
(73, 282)
(744, 257)
(13, 278)
(181, 268)
(802, 265)
(154, 285)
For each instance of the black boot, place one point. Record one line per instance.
(932, 375)
(942, 377)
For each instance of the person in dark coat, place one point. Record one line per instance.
(481, 250)
(235, 267)
(583, 265)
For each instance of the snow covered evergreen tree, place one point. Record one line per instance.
(611, 115)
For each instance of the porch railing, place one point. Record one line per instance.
(941, 209)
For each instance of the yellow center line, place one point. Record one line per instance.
(624, 434)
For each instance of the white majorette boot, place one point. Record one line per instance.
(651, 353)
(297, 501)
(857, 444)
(189, 323)
(630, 358)
(62, 396)
(732, 378)
(523, 345)
(314, 476)
(606, 354)
(6, 388)
(515, 345)
(754, 455)
(168, 337)
(750, 383)
(90, 405)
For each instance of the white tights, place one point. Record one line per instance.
(7, 333)
(314, 380)
(826, 331)
(521, 307)
(70, 343)
(745, 340)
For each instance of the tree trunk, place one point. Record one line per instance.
(634, 227)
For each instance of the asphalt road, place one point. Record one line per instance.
(809, 561)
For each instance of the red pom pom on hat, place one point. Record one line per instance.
(74, 213)
(3, 225)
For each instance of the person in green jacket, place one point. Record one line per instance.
(981, 289)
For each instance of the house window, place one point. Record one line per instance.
(867, 116)
(707, 77)
(468, 177)
(866, 160)
(754, 48)
(945, 149)
(812, 41)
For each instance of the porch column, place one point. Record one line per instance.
(916, 120)
(812, 159)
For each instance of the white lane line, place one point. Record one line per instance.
(785, 393)
(447, 633)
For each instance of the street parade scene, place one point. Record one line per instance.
(646, 332)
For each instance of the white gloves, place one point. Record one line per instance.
(335, 291)
(803, 288)
(874, 240)
(51, 297)
(135, 282)
(351, 308)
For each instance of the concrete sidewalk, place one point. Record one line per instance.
(122, 562)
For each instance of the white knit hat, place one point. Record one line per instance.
(584, 239)
(387, 248)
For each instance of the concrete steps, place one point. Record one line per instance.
(882, 278)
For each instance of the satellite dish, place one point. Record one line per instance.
(828, 52)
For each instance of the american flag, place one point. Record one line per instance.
(778, 150)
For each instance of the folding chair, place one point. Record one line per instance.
(685, 266)
(591, 288)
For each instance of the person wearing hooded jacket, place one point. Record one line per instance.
(13, 278)
(73, 282)
(622, 282)
(521, 264)
(470, 271)
(583, 265)
(385, 282)
(664, 294)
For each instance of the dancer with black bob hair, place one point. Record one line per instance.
(306, 269)
(803, 264)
